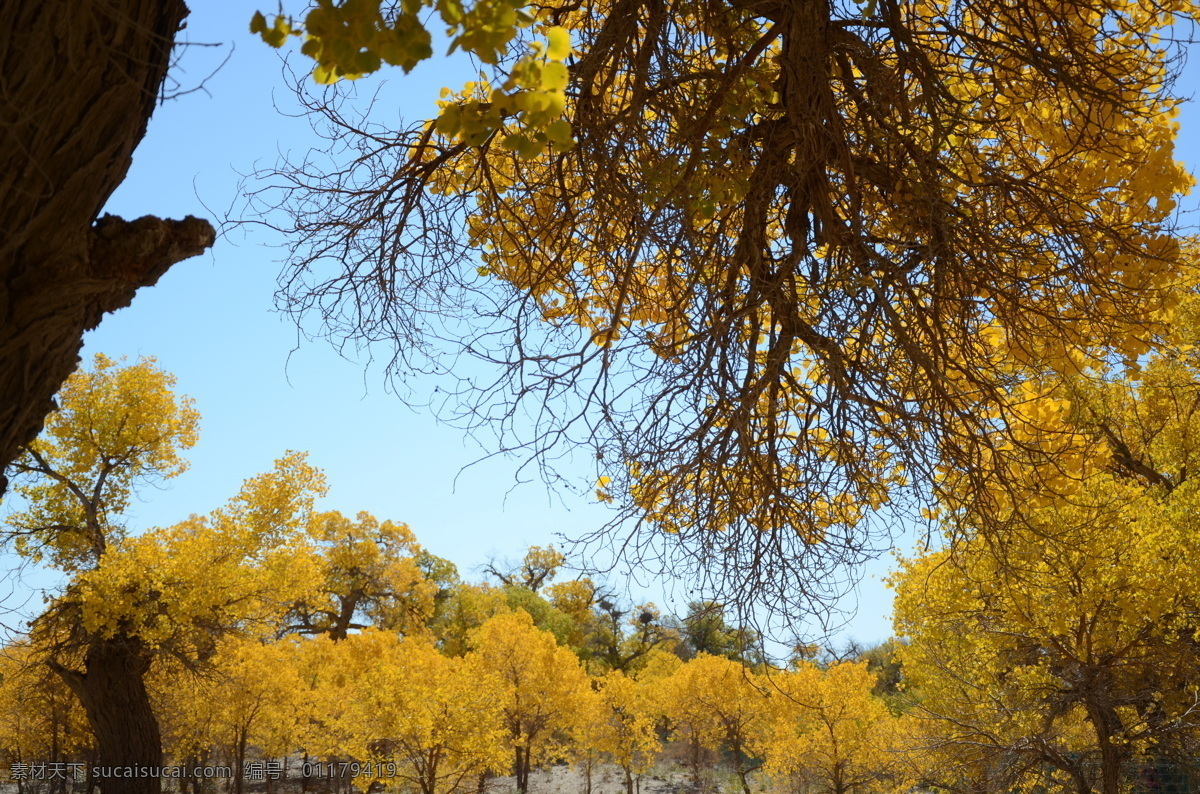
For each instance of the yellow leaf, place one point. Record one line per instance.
(560, 43)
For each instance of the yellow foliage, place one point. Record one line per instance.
(618, 722)
(249, 695)
(816, 244)
(1067, 643)
(356, 37)
(238, 569)
(118, 427)
(39, 717)
(540, 684)
(827, 732)
(367, 569)
(420, 718)
(468, 607)
(715, 703)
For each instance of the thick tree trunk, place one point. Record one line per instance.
(81, 79)
(112, 691)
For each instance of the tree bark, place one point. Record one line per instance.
(112, 691)
(81, 80)
(1105, 723)
(739, 763)
(521, 768)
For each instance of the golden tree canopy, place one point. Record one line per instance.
(772, 262)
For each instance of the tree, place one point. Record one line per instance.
(332, 672)
(1074, 652)
(706, 630)
(468, 607)
(882, 662)
(40, 720)
(621, 724)
(540, 684)
(435, 720)
(117, 427)
(829, 733)
(790, 263)
(77, 101)
(249, 696)
(624, 645)
(444, 576)
(167, 591)
(1070, 647)
(717, 704)
(369, 571)
(539, 567)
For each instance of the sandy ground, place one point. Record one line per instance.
(664, 778)
(609, 779)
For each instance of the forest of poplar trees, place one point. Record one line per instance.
(788, 272)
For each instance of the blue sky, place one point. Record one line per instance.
(262, 390)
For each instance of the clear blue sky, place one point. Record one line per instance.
(262, 391)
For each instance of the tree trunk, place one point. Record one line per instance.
(1106, 723)
(521, 763)
(80, 82)
(239, 764)
(196, 762)
(694, 757)
(740, 767)
(112, 691)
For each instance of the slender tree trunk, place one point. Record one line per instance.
(522, 769)
(112, 691)
(1106, 722)
(196, 783)
(740, 766)
(429, 776)
(56, 785)
(80, 82)
(239, 764)
(694, 753)
(839, 784)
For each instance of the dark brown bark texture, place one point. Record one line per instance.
(80, 81)
(112, 691)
